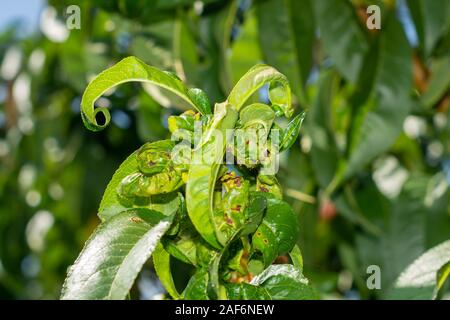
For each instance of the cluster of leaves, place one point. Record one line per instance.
(369, 178)
(230, 223)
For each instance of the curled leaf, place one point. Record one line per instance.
(131, 69)
(254, 79)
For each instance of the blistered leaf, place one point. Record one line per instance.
(112, 203)
(203, 173)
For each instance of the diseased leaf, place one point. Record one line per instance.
(277, 232)
(207, 158)
(114, 255)
(113, 204)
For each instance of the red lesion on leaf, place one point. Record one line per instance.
(228, 220)
(236, 277)
(281, 260)
(237, 208)
(136, 219)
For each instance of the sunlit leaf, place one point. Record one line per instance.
(114, 255)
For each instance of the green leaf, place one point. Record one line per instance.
(112, 204)
(342, 36)
(131, 69)
(418, 280)
(245, 49)
(253, 128)
(277, 232)
(161, 262)
(324, 153)
(296, 257)
(184, 245)
(291, 132)
(207, 158)
(287, 34)
(442, 276)
(285, 282)
(380, 120)
(197, 287)
(401, 235)
(255, 78)
(269, 184)
(439, 82)
(245, 291)
(114, 255)
(430, 19)
(254, 213)
(201, 100)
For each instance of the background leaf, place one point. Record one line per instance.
(286, 32)
(421, 275)
(342, 36)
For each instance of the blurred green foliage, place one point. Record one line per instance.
(369, 177)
